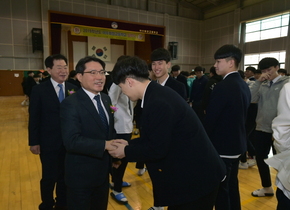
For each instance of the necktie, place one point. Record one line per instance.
(60, 93)
(102, 112)
(271, 83)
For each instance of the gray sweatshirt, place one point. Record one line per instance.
(267, 99)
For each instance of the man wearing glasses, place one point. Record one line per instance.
(87, 124)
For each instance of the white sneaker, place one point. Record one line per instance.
(243, 165)
(141, 171)
(251, 162)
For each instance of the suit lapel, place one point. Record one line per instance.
(89, 106)
(108, 109)
(52, 92)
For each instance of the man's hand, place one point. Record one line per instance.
(264, 76)
(109, 146)
(35, 149)
(119, 152)
(121, 141)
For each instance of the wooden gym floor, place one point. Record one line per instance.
(20, 171)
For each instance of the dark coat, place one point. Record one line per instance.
(211, 83)
(172, 142)
(226, 115)
(177, 86)
(87, 162)
(183, 80)
(44, 120)
(197, 89)
(28, 85)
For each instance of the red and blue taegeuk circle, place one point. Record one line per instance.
(99, 52)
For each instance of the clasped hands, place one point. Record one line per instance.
(116, 148)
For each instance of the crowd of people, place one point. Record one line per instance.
(81, 124)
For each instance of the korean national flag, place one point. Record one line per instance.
(99, 47)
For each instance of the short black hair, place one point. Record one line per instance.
(185, 73)
(49, 60)
(199, 68)
(132, 67)
(229, 51)
(212, 70)
(160, 54)
(251, 68)
(36, 76)
(72, 74)
(45, 73)
(242, 74)
(122, 57)
(175, 68)
(81, 65)
(258, 71)
(282, 71)
(266, 63)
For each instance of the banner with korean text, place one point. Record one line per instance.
(107, 33)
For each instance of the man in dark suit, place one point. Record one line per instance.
(87, 124)
(225, 122)
(45, 134)
(175, 71)
(197, 90)
(29, 83)
(160, 59)
(172, 139)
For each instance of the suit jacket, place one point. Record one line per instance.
(226, 115)
(44, 120)
(183, 80)
(208, 89)
(87, 162)
(197, 89)
(172, 142)
(28, 85)
(177, 86)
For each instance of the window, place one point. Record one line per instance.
(268, 28)
(253, 59)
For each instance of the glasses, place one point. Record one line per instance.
(95, 72)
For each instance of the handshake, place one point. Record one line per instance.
(116, 148)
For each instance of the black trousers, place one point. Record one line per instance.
(250, 150)
(52, 163)
(204, 203)
(263, 143)
(283, 201)
(94, 198)
(228, 197)
(118, 173)
(198, 109)
(140, 165)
